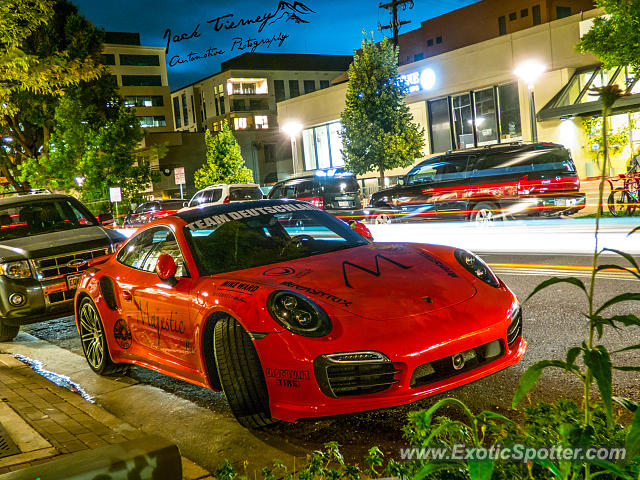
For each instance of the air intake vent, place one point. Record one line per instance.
(108, 293)
(515, 329)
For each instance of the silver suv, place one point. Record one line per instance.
(226, 193)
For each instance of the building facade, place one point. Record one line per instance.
(245, 93)
(141, 75)
(471, 97)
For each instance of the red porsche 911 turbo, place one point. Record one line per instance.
(294, 314)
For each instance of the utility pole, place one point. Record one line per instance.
(392, 6)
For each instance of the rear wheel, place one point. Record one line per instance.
(382, 218)
(94, 341)
(241, 374)
(619, 203)
(7, 332)
(485, 212)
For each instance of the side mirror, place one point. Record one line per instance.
(401, 181)
(185, 204)
(361, 229)
(105, 219)
(166, 269)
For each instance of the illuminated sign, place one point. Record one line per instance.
(416, 81)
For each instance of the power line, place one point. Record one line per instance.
(392, 7)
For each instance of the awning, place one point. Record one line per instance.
(575, 100)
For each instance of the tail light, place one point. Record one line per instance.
(226, 199)
(317, 202)
(524, 187)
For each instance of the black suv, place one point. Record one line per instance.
(46, 241)
(336, 192)
(484, 184)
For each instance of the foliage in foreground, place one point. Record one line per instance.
(224, 160)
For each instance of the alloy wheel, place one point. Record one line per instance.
(91, 335)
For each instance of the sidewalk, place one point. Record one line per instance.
(46, 421)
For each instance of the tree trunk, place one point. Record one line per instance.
(381, 178)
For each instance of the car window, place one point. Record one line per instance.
(341, 184)
(425, 172)
(276, 192)
(501, 163)
(143, 250)
(212, 196)
(140, 208)
(237, 194)
(453, 168)
(304, 189)
(557, 159)
(197, 199)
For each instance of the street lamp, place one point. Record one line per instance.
(529, 72)
(293, 129)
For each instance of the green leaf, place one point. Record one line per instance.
(572, 354)
(633, 438)
(554, 280)
(627, 403)
(613, 468)
(430, 468)
(599, 362)
(480, 470)
(553, 468)
(627, 369)
(626, 349)
(532, 375)
(496, 416)
(625, 297)
(625, 255)
(600, 268)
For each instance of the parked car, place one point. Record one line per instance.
(46, 242)
(223, 193)
(294, 314)
(148, 211)
(484, 184)
(336, 192)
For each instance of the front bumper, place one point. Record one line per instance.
(36, 306)
(298, 388)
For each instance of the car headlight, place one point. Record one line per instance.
(16, 270)
(298, 314)
(476, 266)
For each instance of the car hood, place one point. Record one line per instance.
(48, 244)
(377, 281)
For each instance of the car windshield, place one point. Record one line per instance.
(220, 243)
(342, 184)
(238, 194)
(42, 216)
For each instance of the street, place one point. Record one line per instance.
(200, 422)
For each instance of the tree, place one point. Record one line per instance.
(224, 161)
(615, 39)
(46, 50)
(378, 132)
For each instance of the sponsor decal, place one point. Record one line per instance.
(319, 293)
(443, 266)
(122, 334)
(279, 271)
(287, 378)
(159, 322)
(242, 286)
(375, 273)
(213, 220)
(231, 295)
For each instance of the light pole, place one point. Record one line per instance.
(293, 129)
(529, 72)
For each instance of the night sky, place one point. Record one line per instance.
(331, 27)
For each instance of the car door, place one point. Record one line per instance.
(158, 313)
(415, 199)
(451, 186)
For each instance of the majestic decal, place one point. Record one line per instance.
(159, 322)
(122, 334)
(213, 220)
(287, 378)
(321, 294)
(438, 263)
(375, 273)
(242, 286)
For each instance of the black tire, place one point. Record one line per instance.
(381, 219)
(485, 212)
(7, 332)
(241, 374)
(94, 341)
(619, 203)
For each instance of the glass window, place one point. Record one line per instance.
(211, 196)
(258, 104)
(309, 148)
(240, 123)
(418, 56)
(452, 168)
(238, 105)
(486, 119)
(270, 152)
(144, 101)
(176, 112)
(309, 86)
(601, 78)
(142, 251)
(141, 81)
(322, 147)
(524, 12)
(439, 125)
(463, 121)
(304, 189)
(276, 192)
(185, 110)
(222, 105)
(278, 89)
(204, 109)
(430, 42)
(108, 59)
(502, 26)
(535, 11)
(512, 16)
(563, 12)
(572, 91)
(152, 121)
(509, 102)
(193, 110)
(424, 172)
(239, 194)
(261, 121)
(140, 60)
(335, 140)
(294, 88)
(438, 40)
(324, 83)
(215, 101)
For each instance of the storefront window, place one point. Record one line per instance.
(309, 147)
(439, 125)
(463, 120)
(486, 121)
(335, 140)
(509, 104)
(322, 146)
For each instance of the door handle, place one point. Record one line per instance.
(126, 295)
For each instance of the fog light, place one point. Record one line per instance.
(16, 299)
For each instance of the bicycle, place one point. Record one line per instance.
(624, 200)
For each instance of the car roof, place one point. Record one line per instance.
(32, 197)
(218, 185)
(195, 213)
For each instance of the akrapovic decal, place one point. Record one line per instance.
(439, 263)
(319, 293)
(213, 220)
